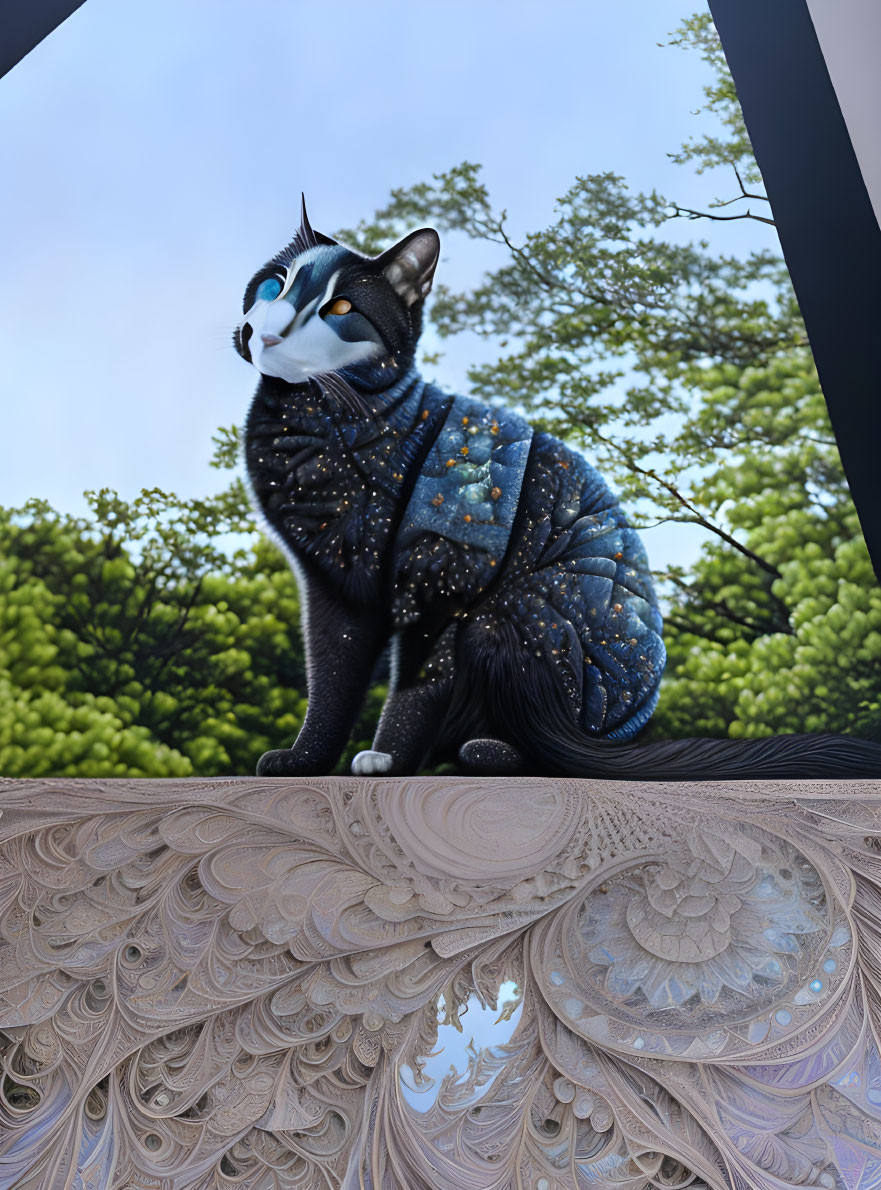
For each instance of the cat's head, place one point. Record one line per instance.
(319, 308)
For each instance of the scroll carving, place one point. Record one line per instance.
(439, 983)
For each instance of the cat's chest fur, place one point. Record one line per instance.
(412, 509)
(334, 490)
(330, 490)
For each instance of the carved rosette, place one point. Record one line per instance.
(211, 984)
(729, 940)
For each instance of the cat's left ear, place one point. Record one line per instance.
(409, 266)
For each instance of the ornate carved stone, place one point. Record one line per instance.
(245, 983)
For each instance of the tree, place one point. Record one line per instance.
(131, 644)
(687, 378)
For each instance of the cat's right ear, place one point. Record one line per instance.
(305, 236)
(409, 266)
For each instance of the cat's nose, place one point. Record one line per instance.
(270, 340)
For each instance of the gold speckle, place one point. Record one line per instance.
(495, 493)
(463, 450)
(451, 462)
(618, 556)
(494, 428)
(464, 421)
(618, 607)
(425, 415)
(467, 516)
(438, 500)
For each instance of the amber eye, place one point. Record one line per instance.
(340, 306)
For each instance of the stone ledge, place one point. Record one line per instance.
(214, 983)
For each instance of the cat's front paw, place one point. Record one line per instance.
(369, 764)
(285, 762)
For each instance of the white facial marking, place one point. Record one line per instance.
(328, 289)
(317, 303)
(304, 351)
(300, 343)
(296, 265)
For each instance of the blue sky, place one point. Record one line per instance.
(154, 157)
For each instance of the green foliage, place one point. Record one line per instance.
(227, 447)
(685, 375)
(786, 637)
(132, 645)
(732, 147)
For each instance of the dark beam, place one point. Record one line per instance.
(25, 23)
(827, 226)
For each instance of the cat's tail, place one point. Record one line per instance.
(532, 713)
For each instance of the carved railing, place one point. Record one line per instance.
(222, 983)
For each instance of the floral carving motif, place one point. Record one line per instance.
(216, 984)
(716, 914)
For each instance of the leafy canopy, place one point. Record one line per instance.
(133, 644)
(685, 375)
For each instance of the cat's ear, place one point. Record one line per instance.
(409, 266)
(306, 237)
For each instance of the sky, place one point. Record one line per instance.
(154, 155)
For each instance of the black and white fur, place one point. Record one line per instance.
(524, 627)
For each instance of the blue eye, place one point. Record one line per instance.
(269, 289)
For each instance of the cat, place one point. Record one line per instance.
(525, 631)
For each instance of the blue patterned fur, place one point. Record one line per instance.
(523, 623)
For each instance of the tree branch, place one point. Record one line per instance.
(699, 518)
(170, 648)
(689, 214)
(547, 281)
(724, 610)
(744, 193)
(519, 254)
(674, 621)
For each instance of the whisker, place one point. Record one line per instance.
(345, 396)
